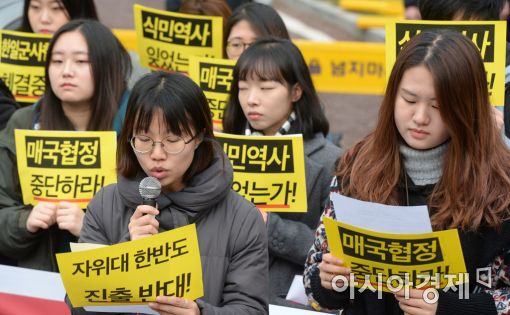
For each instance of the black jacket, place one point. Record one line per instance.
(480, 250)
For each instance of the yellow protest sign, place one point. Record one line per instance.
(138, 271)
(269, 171)
(22, 62)
(345, 67)
(381, 259)
(70, 166)
(488, 36)
(127, 37)
(167, 39)
(214, 76)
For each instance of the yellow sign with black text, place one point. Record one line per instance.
(22, 61)
(488, 36)
(269, 171)
(214, 76)
(69, 166)
(167, 39)
(381, 259)
(135, 272)
(345, 67)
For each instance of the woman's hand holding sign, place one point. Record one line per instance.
(171, 305)
(42, 216)
(330, 267)
(69, 216)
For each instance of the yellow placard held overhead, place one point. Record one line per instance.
(345, 67)
(386, 261)
(22, 64)
(214, 76)
(135, 272)
(167, 39)
(69, 166)
(269, 171)
(488, 36)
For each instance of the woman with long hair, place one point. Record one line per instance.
(85, 91)
(435, 144)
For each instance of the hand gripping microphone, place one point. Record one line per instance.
(149, 189)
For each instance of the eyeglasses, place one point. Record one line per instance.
(171, 145)
(237, 46)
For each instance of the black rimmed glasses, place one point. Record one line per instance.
(171, 144)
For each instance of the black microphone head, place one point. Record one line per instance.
(149, 188)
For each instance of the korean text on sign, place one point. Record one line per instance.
(64, 165)
(488, 36)
(268, 171)
(22, 60)
(215, 77)
(138, 271)
(166, 40)
(345, 67)
(376, 257)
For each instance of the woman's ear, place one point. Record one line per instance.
(296, 92)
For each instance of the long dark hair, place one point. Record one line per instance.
(74, 9)
(279, 60)
(110, 66)
(473, 189)
(185, 111)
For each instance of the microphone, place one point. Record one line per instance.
(149, 189)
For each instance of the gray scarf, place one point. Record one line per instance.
(201, 193)
(424, 166)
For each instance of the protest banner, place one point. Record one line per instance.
(135, 272)
(69, 166)
(268, 170)
(166, 40)
(22, 61)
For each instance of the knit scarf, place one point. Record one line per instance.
(282, 131)
(424, 166)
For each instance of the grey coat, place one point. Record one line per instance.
(231, 234)
(291, 235)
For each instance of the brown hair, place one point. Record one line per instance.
(474, 186)
(207, 8)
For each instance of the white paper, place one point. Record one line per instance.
(32, 283)
(381, 218)
(297, 291)
(281, 310)
(78, 247)
(142, 309)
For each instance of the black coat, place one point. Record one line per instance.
(480, 250)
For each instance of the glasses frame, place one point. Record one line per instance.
(243, 47)
(131, 141)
